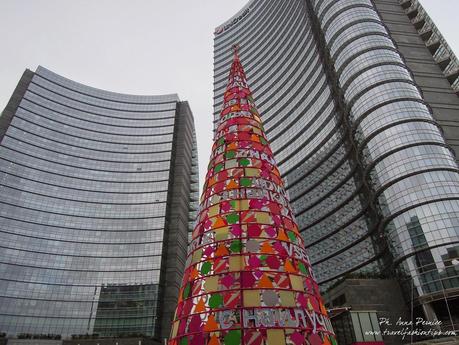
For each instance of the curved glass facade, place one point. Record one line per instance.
(373, 183)
(86, 183)
(306, 131)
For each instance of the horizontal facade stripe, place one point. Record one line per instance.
(336, 129)
(82, 102)
(79, 242)
(84, 201)
(331, 212)
(401, 148)
(50, 283)
(88, 138)
(86, 119)
(75, 318)
(347, 43)
(97, 93)
(95, 148)
(339, 184)
(79, 229)
(401, 259)
(332, 254)
(381, 190)
(340, 11)
(335, 231)
(94, 130)
(88, 157)
(74, 215)
(353, 269)
(310, 124)
(318, 147)
(75, 270)
(355, 76)
(90, 300)
(350, 25)
(292, 181)
(357, 122)
(363, 143)
(37, 84)
(79, 256)
(88, 168)
(362, 93)
(77, 177)
(150, 112)
(48, 183)
(56, 284)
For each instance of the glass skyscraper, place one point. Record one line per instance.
(96, 196)
(359, 103)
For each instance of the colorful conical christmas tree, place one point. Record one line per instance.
(248, 280)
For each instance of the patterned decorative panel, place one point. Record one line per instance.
(248, 279)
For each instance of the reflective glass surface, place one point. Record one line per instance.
(284, 68)
(84, 185)
(413, 174)
(403, 166)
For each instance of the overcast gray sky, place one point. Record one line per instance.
(135, 46)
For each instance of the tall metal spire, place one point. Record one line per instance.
(248, 279)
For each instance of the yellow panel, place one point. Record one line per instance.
(221, 234)
(244, 205)
(252, 172)
(287, 298)
(235, 263)
(231, 163)
(211, 284)
(214, 210)
(252, 298)
(297, 282)
(215, 199)
(275, 337)
(175, 329)
(197, 255)
(263, 218)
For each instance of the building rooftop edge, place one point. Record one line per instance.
(236, 15)
(72, 84)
